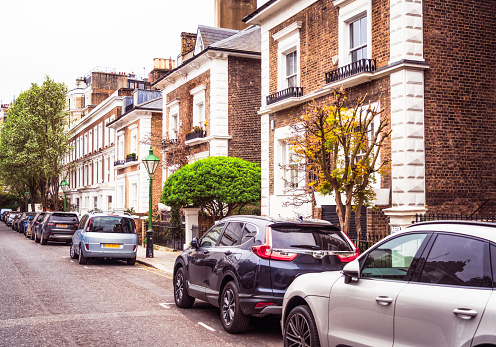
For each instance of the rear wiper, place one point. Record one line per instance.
(306, 247)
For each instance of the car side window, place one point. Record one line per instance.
(82, 222)
(459, 261)
(392, 259)
(211, 236)
(232, 234)
(249, 232)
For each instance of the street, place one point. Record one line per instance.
(49, 300)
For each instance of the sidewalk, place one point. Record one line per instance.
(163, 258)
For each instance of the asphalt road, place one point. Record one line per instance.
(47, 299)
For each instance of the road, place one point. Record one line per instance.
(47, 299)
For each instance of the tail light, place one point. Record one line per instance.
(134, 248)
(265, 251)
(264, 304)
(50, 223)
(87, 246)
(347, 259)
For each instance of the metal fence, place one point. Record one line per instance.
(167, 236)
(440, 216)
(364, 244)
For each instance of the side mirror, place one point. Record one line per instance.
(351, 271)
(194, 243)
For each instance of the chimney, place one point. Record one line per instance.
(160, 67)
(188, 42)
(229, 13)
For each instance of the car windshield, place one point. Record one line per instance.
(311, 238)
(112, 224)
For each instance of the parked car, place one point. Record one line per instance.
(11, 217)
(15, 221)
(35, 224)
(105, 235)
(3, 213)
(57, 226)
(243, 264)
(24, 220)
(432, 284)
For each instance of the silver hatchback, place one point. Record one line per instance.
(432, 284)
(105, 235)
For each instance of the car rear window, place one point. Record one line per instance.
(63, 217)
(112, 224)
(311, 238)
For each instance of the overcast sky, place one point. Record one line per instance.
(66, 39)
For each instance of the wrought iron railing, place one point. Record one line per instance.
(427, 217)
(362, 65)
(118, 162)
(291, 92)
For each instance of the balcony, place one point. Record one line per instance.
(355, 68)
(197, 132)
(131, 157)
(291, 92)
(119, 162)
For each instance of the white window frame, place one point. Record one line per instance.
(100, 136)
(133, 195)
(288, 41)
(120, 146)
(133, 148)
(95, 138)
(349, 13)
(199, 111)
(283, 157)
(111, 131)
(107, 134)
(90, 141)
(173, 107)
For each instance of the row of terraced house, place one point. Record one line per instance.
(237, 88)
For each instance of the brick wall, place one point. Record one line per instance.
(243, 104)
(460, 104)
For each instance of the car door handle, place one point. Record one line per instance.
(465, 313)
(383, 300)
(227, 252)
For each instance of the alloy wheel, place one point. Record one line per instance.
(297, 331)
(228, 306)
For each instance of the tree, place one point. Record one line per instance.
(220, 185)
(34, 140)
(340, 149)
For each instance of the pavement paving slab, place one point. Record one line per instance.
(163, 258)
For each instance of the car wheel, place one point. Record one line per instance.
(300, 328)
(43, 239)
(82, 259)
(36, 239)
(181, 296)
(72, 253)
(233, 320)
(131, 261)
(32, 235)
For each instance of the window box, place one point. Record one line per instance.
(131, 157)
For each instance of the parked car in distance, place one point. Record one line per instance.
(105, 235)
(432, 284)
(57, 226)
(15, 222)
(23, 221)
(243, 264)
(35, 224)
(11, 217)
(3, 213)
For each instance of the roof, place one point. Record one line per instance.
(258, 10)
(210, 35)
(486, 230)
(154, 104)
(246, 40)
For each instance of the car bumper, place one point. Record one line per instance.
(273, 305)
(109, 254)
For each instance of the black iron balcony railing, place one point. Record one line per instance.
(118, 162)
(363, 65)
(291, 92)
(196, 134)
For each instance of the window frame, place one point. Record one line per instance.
(288, 42)
(349, 13)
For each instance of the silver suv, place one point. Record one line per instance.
(105, 235)
(432, 284)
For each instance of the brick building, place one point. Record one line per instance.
(427, 63)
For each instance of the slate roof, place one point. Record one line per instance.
(154, 104)
(210, 35)
(246, 40)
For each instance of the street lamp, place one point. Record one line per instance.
(26, 194)
(151, 163)
(65, 187)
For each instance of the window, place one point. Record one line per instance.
(85, 143)
(289, 165)
(210, 238)
(199, 106)
(249, 232)
(111, 224)
(232, 234)
(100, 136)
(107, 134)
(95, 138)
(174, 128)
(392, 259)
(173, 107)
(291, 69)
(358, 39)
(133, 196)
(95, 202)
(120, 147)
(134, 141)
(458, 261)
(90, 142)
(109, 202)
(111, 131)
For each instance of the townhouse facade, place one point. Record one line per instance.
(414, 59)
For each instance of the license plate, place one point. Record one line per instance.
(61, 225)
(111, 245)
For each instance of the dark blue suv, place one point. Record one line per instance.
(244, 264)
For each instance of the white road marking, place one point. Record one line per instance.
(164, 305)
(206, 326)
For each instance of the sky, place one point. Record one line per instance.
(66, 39)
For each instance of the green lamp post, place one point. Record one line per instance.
(65, 187)
(26, 194)
(151, 163)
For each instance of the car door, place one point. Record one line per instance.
(361, 313)
(223, 258)
(76, 238)
(200, 260)
(447, 299)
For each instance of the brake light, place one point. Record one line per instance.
(263, 304)
(350, 258)
(87, 246)
(265, 251)
(50, 223)
(134, 248)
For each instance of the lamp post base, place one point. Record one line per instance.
(149, 243)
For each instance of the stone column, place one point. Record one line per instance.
(191, 218)
(402, 216)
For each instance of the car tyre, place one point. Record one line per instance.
(181, 296)
(43, 239)
(36, 239)
(72, 252)
(82, 259)
(131, 261)
(300, 328)
(233, 319)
